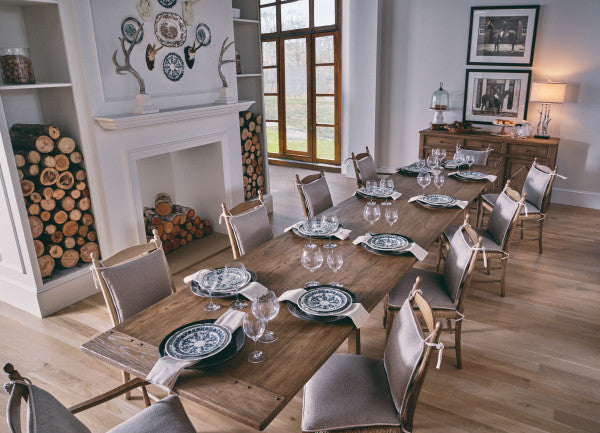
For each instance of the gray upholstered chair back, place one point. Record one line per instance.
(502, 217)
(366, 169)
(403, 354)
(458, 257)
(137, 284)
(251, 228)
(480, 157)
(316, 196)
(536, 186)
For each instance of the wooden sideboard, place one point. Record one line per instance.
(513, 155)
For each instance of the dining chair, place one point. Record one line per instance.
(480, 157)
(132, 280)
(497, 234)
(364, 167)
(359, 394)
(45, 414)
(538, 187)
(445, 291)
(247, 225)
(314, 194)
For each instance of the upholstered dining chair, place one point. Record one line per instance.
(364, 167)
(497, 235)
(314, 194)
(538, 186)
(46, 414)
(132, 280)
(480, 157)
(445, 291)
(247, 225)
(359, 394)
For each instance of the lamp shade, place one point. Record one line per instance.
(548, 91)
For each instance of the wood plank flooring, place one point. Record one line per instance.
(531, 361)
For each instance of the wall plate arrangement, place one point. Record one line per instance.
(170, 29)
(173, 66)
(129, 28)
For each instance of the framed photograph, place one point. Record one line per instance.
(492, 94)
(501, 35)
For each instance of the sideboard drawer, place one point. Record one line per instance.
(533, 151)
(437, 141)
(497, 147)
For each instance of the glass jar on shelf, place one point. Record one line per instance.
(15, 66)
(440, 99)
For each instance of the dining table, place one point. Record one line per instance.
(254, 394)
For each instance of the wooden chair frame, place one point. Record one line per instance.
(116, 259)
(530, 218)
(355, 158)
(304, 181)
(236, 210)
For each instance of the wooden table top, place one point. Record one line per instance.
(255, 393)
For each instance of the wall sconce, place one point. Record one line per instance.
(547, 92)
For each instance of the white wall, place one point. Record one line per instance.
(425, 41)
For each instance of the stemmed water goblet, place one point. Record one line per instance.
(335, 260)
(391, 216)
(311, 259)
(459, 159)
(387, 186)
(370, 187)
(469, 160)
(329, 221)
(438, 180)
(266, 307)
(424, 179)
(210, 281)
(371, 213)
(441, 156)
(233, 275)
(420, 164)
(254, 329)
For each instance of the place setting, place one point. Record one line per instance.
(435, 201)
(325, 227)
(414, 169)
(462, 161)
(390, 244)
(384, 189)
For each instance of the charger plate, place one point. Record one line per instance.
(297, 312)
(388, 242)
(324, 301)
(437, 200)
(199, 291)
(197, 341)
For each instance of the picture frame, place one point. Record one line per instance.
(502, 35)
(492, 94)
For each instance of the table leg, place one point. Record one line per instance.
(354, 342)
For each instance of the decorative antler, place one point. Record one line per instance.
(127, 67)
(224, 48)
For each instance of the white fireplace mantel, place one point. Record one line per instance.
(169, 115)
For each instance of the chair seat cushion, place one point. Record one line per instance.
(488, 243)
(433, 287)
(348, 391)
(491, 199)
(166, 415)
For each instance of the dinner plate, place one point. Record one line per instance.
(472, 175)
(170, 29)
(451, 165)
(388, 242)
(203, 35)
(228, 282)
(412, 170)
(316, 228)
(377, 193)
(297, 312)
(437, 200)
(324, 301)
(199, 291)
(235, 345)
(198, 341)
(130, 27)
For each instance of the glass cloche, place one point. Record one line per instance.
(440, 99)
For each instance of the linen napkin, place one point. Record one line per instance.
(357, 313)
(413, 248)
(340, 233)
(460, 203)
(489, 177)
(195, 276)
(253, 290)
(166, 370)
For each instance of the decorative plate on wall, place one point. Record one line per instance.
(167, 3)
(129, 27)
(203, 35)
(173, 66)
(170, 29)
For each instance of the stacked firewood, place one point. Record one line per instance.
(176, 225)
(53, 181)
(252, 154)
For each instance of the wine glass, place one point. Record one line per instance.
(432, 161)
(370, 186)
(371, 212)
(311, 225)
(233, 276)
(442, 155)
(459, 159)
(469, 159)
(211, 280)
(391, 216)
(330, 222)
(387, 186)
(335, 260)
(420, 164)
(435, 152)
(438, 180)
(424, 179)
(312, 259)
(254, 328)
(266, 307)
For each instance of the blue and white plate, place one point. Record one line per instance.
(229, 280)
(130, 27)
(173, 66)
(197, 341)
(473, 175)
(437, 200)
(388, 242)
(316, 228)
(203, 35)
(413, 168)
(324, 301)
(377, 192)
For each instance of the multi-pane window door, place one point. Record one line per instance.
(302, 78)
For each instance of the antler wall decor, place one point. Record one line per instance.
(121, 69)
(224, 48)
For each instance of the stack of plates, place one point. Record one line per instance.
(412, 170)
(227, 285)
(377, 193)
(315, 229)
(323, 304)
(388, 243)
(437, 201)
(471, 175)
(451, 165)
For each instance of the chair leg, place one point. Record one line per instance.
(388, 326)
(385, 310)
(503, 277)
(440, 248)
(145, 395)
(540, 230)
(457, 337)
(126, 378)
(479, 212)
(522, 228)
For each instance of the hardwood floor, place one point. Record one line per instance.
(531, 361)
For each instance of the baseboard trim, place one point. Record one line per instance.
(575, 197)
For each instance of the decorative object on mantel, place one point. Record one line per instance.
(151, 51)
(252, 154)
(225, 96)
(173, 66)
(187, 11)
(176, 225)
(144, 8)
(57, 199)
(144, 101)
(202, 33)
(547, 92)
(440, 102)
(170, 29)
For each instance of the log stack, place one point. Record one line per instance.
(176, 225)
(53, 181)
(252, 153)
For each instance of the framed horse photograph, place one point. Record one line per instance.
(496, 94)
(502, 35)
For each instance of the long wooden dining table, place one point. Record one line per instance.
(255, 393)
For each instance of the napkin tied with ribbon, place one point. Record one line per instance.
(340, 233)
(489, 177)
(413, 247)
(459, 203)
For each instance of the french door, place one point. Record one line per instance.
(302, 79)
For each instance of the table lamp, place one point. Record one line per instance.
(547, 92)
